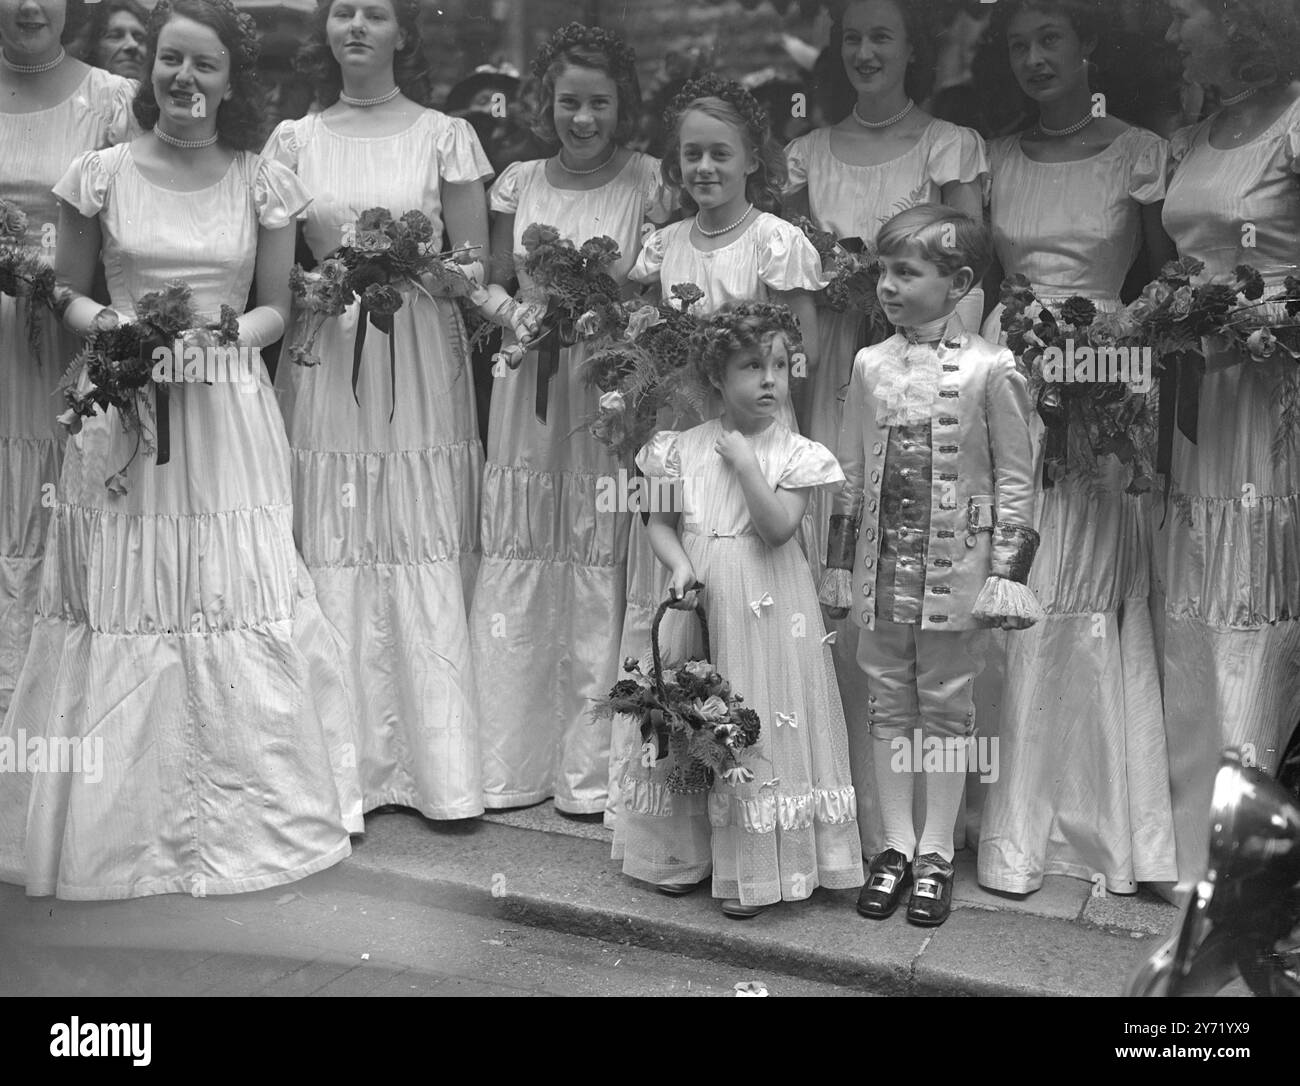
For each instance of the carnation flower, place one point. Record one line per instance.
(382, 300)
(1181, 302)
(612, 401)
(13, 221)
(686, 293)
(538, 235)
(418, 225)
(1249, 282)
(370, 242)
(375, 218)
(1078, 311)
(648, 316)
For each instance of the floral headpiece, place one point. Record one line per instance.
(247, 47)
(718, 335)
(731, 92)
(621, 56)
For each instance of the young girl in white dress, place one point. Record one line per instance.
(729, 174)
(52, 109)
(884, 154)
(548, 606)
(745, 480)
(178, 643)
(386, 481)
(1083, 788)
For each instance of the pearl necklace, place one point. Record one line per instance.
(716, 233)
(176, 141)
(1239, 97)
(366, 103)
(885, 123)
(34, 69)
(559, 161)
(1078, 126)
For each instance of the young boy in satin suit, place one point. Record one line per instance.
(931, 538)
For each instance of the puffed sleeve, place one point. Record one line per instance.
(1148, 167)
(115, 103)
(1179, 144)
(796, 162)
(278, 195)
(809, 464)
(650, 260)
(958, 154)
(85, 182)
(284, 145)
(786, 259)
(658, 201)
(460, 155)
(660, 457)
(503, 197)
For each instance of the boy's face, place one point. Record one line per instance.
(913, 290)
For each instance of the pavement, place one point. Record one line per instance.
(538, 868)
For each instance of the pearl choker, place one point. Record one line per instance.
(176, 141)
(559, 159)
(34, 69)
(716, 233)
(885, 123)
(1239, 97)
(365, 103)
(1078, 126)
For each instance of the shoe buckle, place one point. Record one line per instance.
(882, 881)
(927, 888)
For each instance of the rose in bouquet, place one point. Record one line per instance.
(22, 271)
(116, 368)
(382, 259)
(689, 713)
(645, 369)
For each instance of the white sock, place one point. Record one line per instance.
(894, 793)
(943, 792)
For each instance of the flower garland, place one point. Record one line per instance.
(381, 259)
(116, 368)
(22, 272)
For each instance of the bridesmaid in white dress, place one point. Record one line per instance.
(52, 108)
(883, 155)
(548, 606)
(1083, 784)
(177, 639)
(733, 248)
(386, 483)
(1232, 633)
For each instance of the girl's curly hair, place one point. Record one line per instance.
(838, 96)
(1264, 38)
(240, 121)
(727, 101)
(591, 47)
(315, 60)
(747, 326)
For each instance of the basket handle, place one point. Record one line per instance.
(654, 638)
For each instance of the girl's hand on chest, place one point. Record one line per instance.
(735, 450)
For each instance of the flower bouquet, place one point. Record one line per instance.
(853, 268)
(644, 370)
(1086, 374)
(580, 297)
(116, 367)
(381, 259)
(22, 272)
(689, 713)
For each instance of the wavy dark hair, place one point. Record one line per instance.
(1264, 40)
(746, 326)
(315, 60)
(240, 121)
(580, 46)
(730, 103)
(83, 44)
(919, 22)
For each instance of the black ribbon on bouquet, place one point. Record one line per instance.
(1180, 405)
(162, 398)
(384, 322)
(557, 331)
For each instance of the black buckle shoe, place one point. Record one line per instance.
(931, 900)
(888, 875)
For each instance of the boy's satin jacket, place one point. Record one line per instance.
(982, 491)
